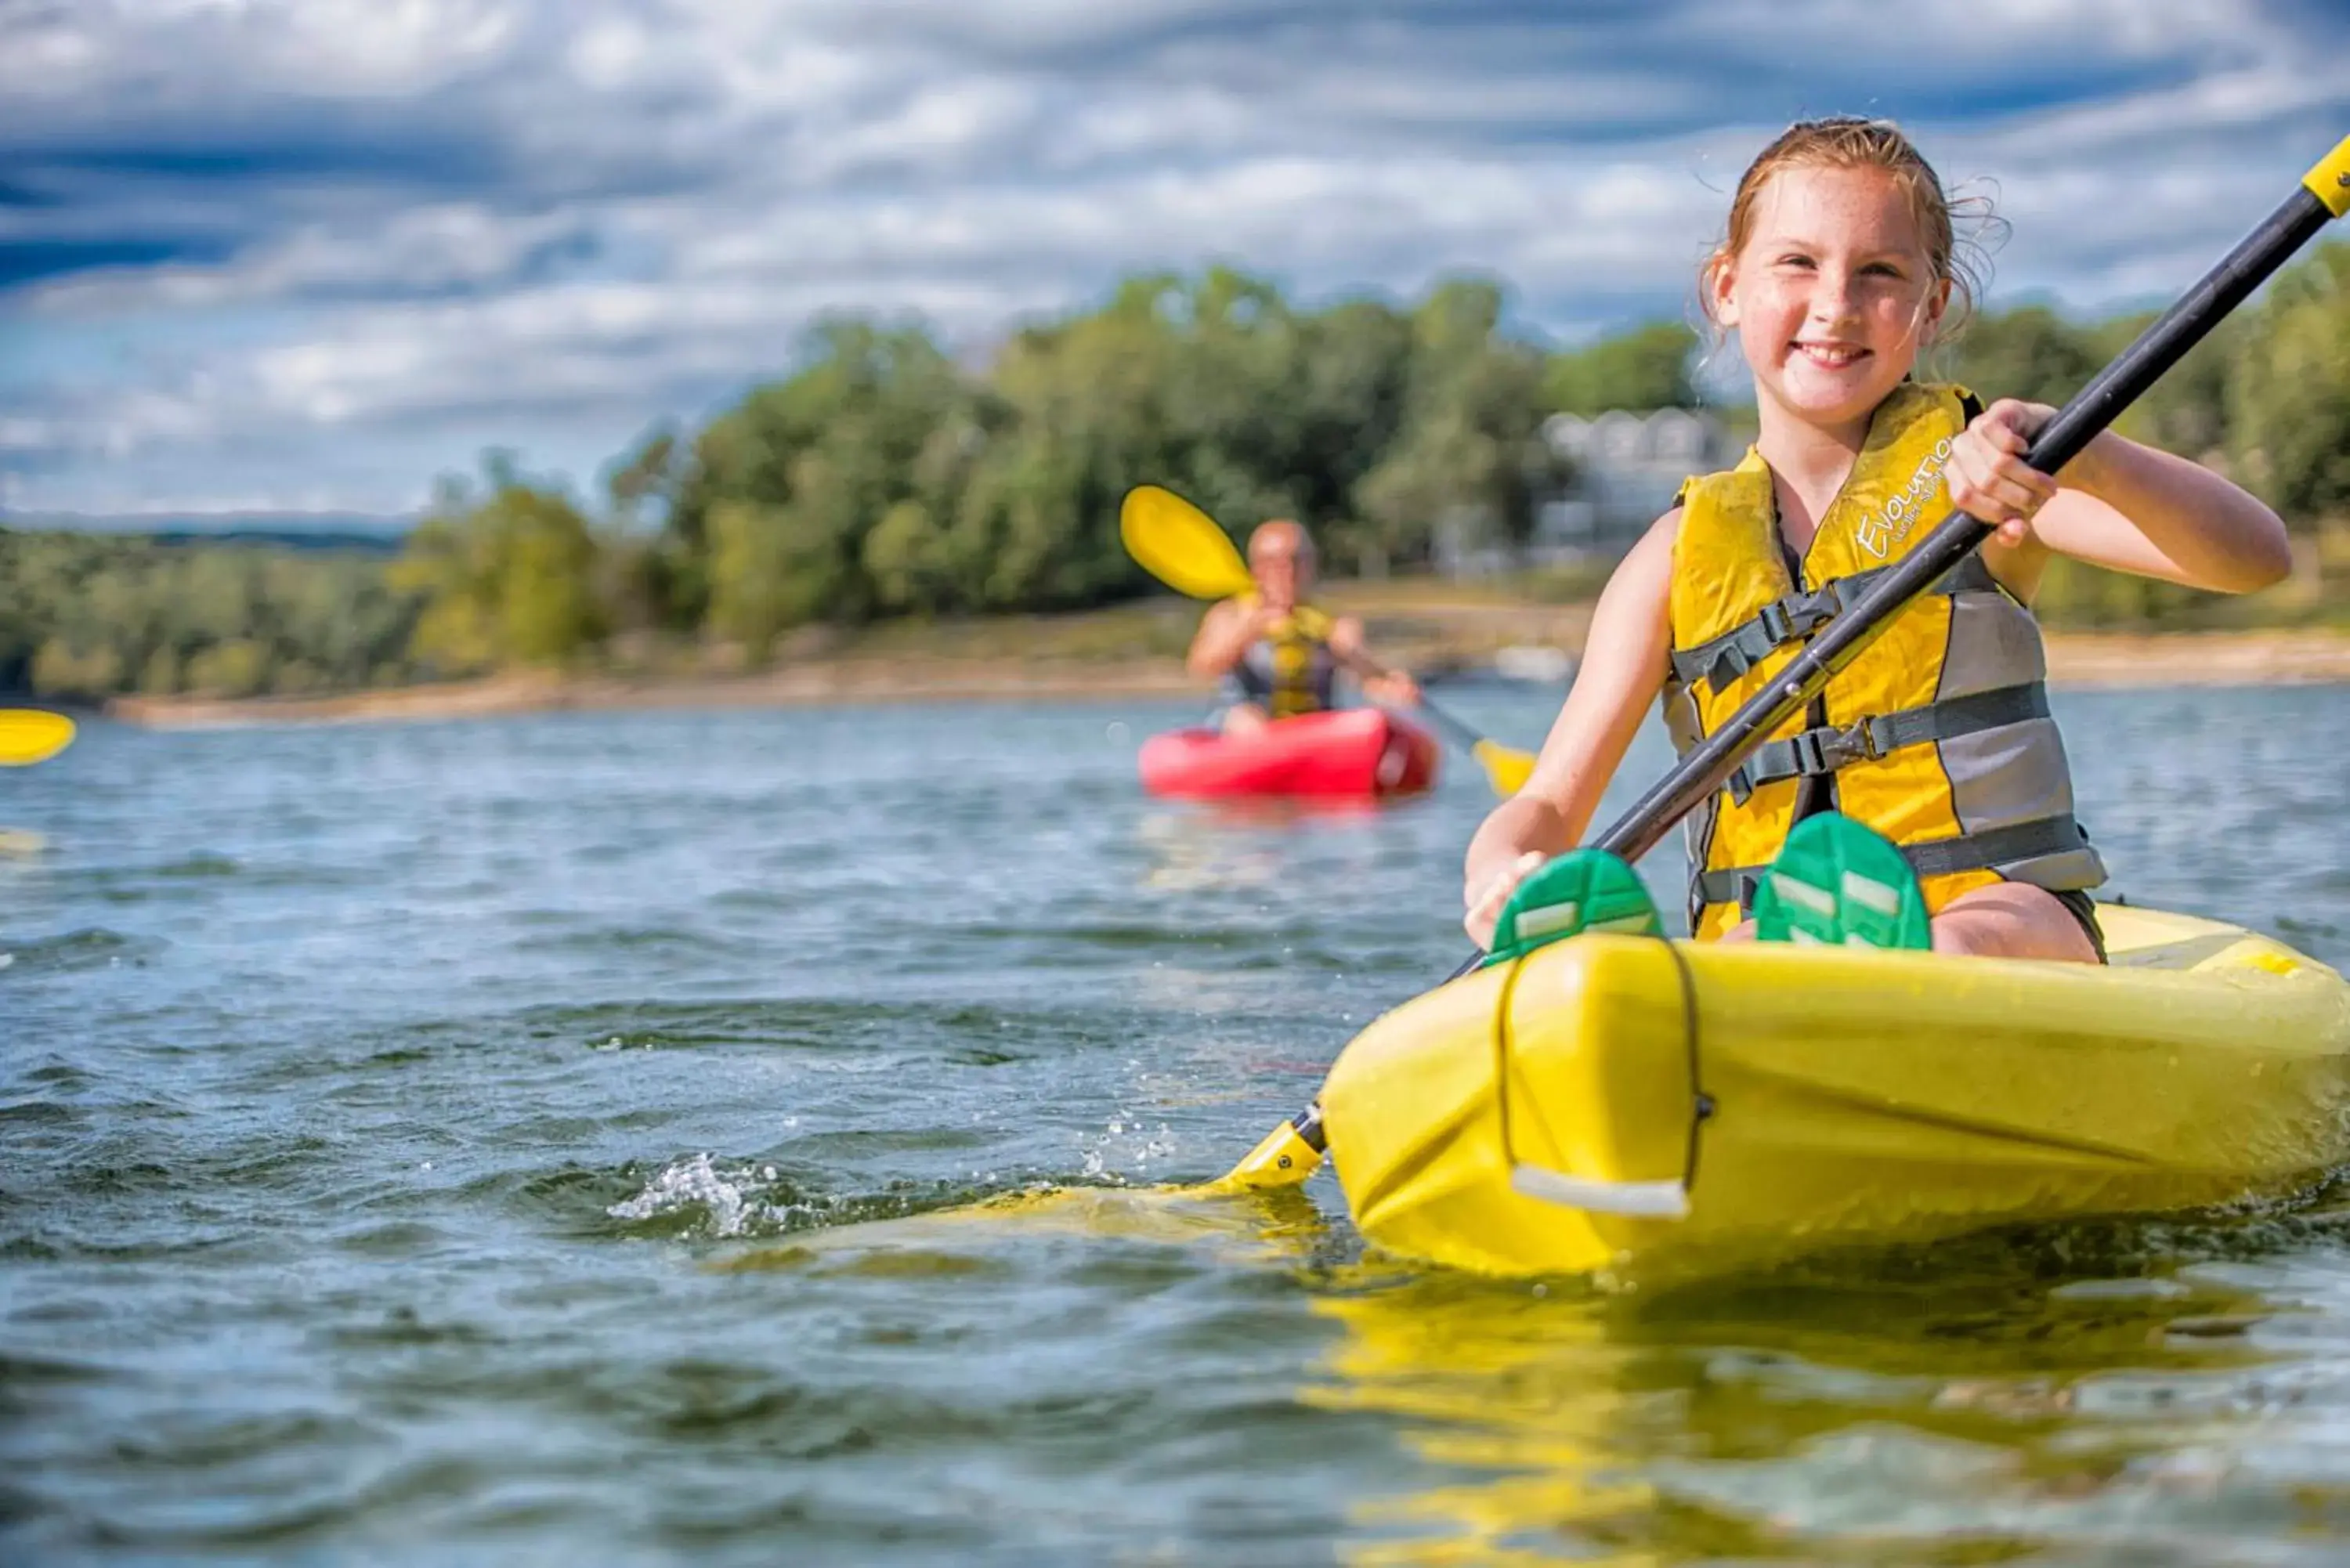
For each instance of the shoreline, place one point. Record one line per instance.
(2093, 660)
(813, 685)
(2138, 660)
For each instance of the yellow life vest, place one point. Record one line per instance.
(1937, 735)
(1290, 670)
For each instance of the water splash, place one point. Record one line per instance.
(1125, 1149)
(696, 1183)
(707, 1200)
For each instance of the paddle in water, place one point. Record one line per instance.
(1183, 548)
(28, 735)
(1290, 1153)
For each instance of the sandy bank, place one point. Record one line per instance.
(2279, 657)
(2076, 660)
(904, 680)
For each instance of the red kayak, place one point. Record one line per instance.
(1355, 753)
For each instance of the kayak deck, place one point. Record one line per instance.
(1673, 1106)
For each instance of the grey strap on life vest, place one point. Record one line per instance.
(1791, 617)
(1828, 748)
(1934, 857)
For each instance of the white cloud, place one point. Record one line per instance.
(468, 221)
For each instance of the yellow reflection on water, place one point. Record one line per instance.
(1528, 1387)
(1964, 1407)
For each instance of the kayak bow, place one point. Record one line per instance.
(1651, 1107)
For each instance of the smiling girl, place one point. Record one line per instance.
(1928, 779)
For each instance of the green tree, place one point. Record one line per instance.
(508, 577)
(2030, 352)
(239, 667)
(649, 474)
(1643, 369)
(785, 487)
(87, 615)
(2289, 398)
(2187, 411)
(1468, 463)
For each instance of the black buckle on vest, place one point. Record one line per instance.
(1811, 753)
(1778, 623)
(1727, 666)
(1824, 751)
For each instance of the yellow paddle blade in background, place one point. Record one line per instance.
(1506, 768)
(27, 735)
(1181, 544)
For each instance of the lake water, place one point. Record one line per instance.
(543, 1141)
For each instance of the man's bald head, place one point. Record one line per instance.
(1282, 539)
(1281, 559)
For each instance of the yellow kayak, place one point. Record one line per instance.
(1633, 1105)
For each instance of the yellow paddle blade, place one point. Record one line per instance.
(1283, 1159)
(1181, 544)
(1283, 1228)
(1507, 767)
(28, 735)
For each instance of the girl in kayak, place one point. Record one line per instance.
(1928, 783)
(1274, 655)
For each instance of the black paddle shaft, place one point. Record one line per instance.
(1706, 767)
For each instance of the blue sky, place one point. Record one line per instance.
(309, 254)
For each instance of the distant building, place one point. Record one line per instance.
(1628, 468)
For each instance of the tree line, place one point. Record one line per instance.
(883, 478)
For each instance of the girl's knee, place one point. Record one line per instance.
(2013, 919)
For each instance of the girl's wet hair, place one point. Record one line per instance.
(1848, 141)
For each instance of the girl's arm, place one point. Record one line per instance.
(1624, 662)
(2119, 505)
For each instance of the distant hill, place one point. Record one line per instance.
(371, 532)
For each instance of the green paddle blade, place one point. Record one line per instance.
(1181, 544)
(1582, 890)
(27, 735)
(1839, 883)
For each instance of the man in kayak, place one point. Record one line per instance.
(1276, 656)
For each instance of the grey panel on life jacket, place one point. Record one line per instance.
(2016, 773)
(1993, 642)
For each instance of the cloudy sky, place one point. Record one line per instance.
(307, 254)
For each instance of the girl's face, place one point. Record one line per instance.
(1832, 294)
